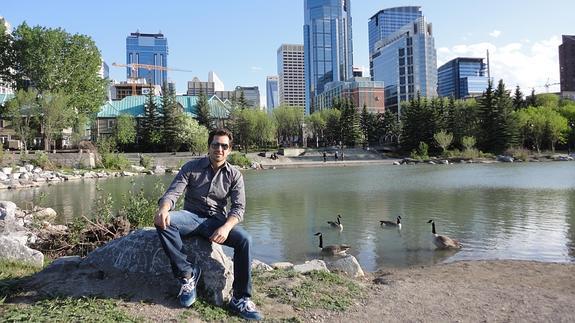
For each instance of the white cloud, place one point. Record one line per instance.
(496, 33)
(255, 68)
(525, 64)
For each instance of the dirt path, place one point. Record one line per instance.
(476, 291)
(486, 291)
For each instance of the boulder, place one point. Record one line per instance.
(159, 169)
(308, 266)
(282, 265)
(260, 266)
(12, 248)
(7, 211)
(347, 264)
(47, 214)
(136, 265)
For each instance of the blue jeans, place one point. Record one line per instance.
(184, 223)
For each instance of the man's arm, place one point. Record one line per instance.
(169, 199)
(236, 213)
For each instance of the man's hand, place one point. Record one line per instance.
(221, 234)
(162, 218)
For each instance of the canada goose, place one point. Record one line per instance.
(336, 225)
(333, 249)
(443, 242)
(391, 223)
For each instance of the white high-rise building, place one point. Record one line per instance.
(291, 75)
(218, 84)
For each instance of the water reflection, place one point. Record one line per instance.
(522, 211)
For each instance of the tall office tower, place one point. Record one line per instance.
(218, 84)
(291, 75)
(462, 77)
(272, 93)
(328, 50)
(386, 22)
(406, 62)
(567, 66)
(149, 49)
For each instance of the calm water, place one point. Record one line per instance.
(498, 211)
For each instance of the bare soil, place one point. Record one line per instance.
(473, 291)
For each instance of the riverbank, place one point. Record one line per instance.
(502, 290)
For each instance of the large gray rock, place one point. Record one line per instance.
(347, 264)
(136, 265)
(7, 210)
(13, 249)
(308, 266)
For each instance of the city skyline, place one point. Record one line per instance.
(239, 40)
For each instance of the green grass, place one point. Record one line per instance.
(314, 290)
(10, 274)
(66, 310)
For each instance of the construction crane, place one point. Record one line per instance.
(135, 67)
(547, 85)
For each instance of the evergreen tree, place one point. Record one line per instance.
(150, 127)
(242, 102)
(203, 111)
(507, 126)
(349, 124)
(390, 128)
(171, 119)
(531, 101)
(419, 123)
(518, 101)
(487, 119)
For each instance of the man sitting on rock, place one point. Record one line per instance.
(208, 183)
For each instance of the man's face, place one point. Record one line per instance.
(219, 149)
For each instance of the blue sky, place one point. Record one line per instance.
(238, 39)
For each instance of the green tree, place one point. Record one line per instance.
(349, 124)
(54, 116)
(531, 101)
(443, 139)
(170, 119)
(556, 127)
(289, 121)
(532, 124)
(52, 60)
(507, 128)
(419, 123)
(242, 102)
(150, 127)
(316, 124)
(390, 128)
(547, 100)
(21, 111)
(518, 101)
(468, 142)
(193, 135)
(203, 111)
(6, 55)
(332, 120)
(125, 131)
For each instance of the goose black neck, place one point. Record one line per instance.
(398, 221)
(320, 241)
(338, 222)
(433, 227)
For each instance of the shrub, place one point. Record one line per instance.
(42, 161)
(239, 159)
(115, 161)
(518, 153)
(421, 152)
(146, 161)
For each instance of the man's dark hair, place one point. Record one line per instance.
(221, 132)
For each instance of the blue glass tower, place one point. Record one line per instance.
(461, 78)
(272, 96)
(406, 62)
(149, 49)
(386, 22)
(328, 50)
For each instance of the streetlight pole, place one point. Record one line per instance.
(571, 135)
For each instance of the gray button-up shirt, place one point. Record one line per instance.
(207, 191)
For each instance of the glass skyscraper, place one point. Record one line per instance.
(388, 21)
(406, 62)
(328, 50)
(149, 49)
(272, 93)
(462, 77)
